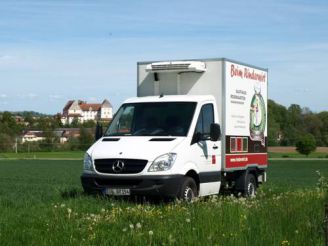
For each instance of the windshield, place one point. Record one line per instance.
(152, 119)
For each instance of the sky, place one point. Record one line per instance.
(52, 51)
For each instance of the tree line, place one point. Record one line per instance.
(11, 129)
(286, 126)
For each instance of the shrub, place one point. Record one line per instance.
(306, 144)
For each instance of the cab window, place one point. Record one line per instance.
(205, 119)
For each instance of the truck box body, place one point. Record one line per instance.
(195, 126)
(240, 91)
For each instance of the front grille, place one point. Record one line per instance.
(130, 166)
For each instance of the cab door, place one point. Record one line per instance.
(207, 152)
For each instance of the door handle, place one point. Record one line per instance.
(215, 147)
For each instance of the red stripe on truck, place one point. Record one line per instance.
(243, 160)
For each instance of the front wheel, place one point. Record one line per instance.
(188, 190)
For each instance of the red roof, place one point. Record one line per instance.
(87, 106)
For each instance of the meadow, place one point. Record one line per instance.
(42, 203)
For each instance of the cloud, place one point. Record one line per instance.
(6, 57)
(3, 96)
(55, 97)
(30, 96)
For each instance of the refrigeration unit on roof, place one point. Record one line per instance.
(176, 66)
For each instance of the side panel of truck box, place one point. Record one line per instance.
(245, 116)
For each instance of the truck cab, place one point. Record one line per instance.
(158, 145)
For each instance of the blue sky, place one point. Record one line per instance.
(53, 51)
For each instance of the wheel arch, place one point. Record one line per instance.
(241, 176)
(194, 175)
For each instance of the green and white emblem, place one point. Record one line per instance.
(257, 117)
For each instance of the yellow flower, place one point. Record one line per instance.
(285, 243)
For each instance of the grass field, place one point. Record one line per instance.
(41, 203)
(281, 152)
(297, 155)
(45, 155)
(290, 152)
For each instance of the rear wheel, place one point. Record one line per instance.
(250, 186)
(188, 190)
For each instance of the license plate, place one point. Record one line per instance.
(117, 192)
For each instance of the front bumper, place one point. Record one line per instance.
(159, 185)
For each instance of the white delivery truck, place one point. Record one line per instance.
(197, 126)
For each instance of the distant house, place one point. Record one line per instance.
(83, 111)
(64, 134)
(32, 136)
(20, 120)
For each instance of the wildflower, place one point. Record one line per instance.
(138, 225)
(131, 226)
(124, 229)
(188, 220)
(62, 205)
(284, 243)
(151, 233)
(69, 211)
(296, 232)
(103, 210)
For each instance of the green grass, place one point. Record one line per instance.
(79, 155)
(41, 203)
(41, 155)
(297, 155)
(295, 174)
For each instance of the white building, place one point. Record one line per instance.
(32, 136)
(83, 111)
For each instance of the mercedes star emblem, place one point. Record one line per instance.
(118, 166)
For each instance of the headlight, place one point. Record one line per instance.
(87, 162)
(163, 162)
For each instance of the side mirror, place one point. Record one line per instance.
(215, 132)
(99, 131)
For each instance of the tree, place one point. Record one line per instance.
(8, 124)
(313, 124)
(74, 123)
(29, 118)
(277, 124)
(306, 144)
(6, 142)
(86, 138)
(48, 144)
(324, 129)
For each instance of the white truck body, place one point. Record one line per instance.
(194, 94)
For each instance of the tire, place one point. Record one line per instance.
(188, 190)
(250, 186)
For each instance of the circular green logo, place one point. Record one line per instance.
(257, 117)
